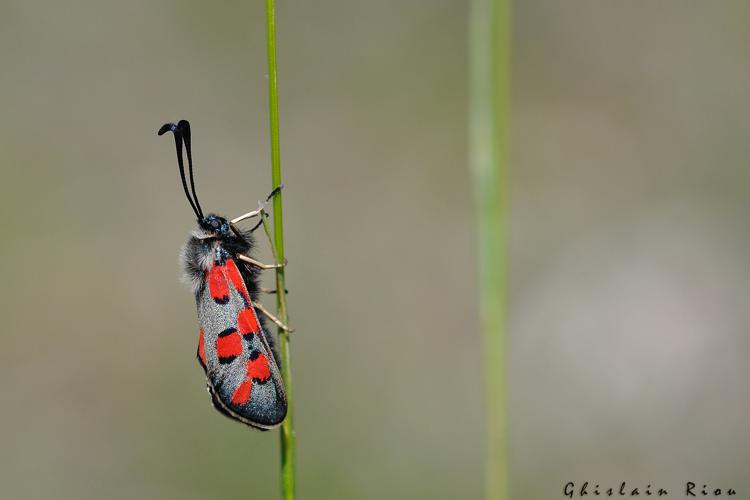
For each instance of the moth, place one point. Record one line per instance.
(234, 348)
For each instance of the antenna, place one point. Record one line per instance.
(181, 133)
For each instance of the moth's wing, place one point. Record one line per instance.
(243, 376)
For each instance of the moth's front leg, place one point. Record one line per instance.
(255, 213)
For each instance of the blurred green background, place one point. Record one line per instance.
(629, 294)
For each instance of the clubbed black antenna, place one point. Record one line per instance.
(184, 126)
(181, 133)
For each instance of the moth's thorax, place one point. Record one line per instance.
(211, 242)
(206, 251)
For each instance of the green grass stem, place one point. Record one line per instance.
(287, 427)
(489, 47)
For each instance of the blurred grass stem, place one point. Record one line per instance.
(489, 47)
(287, 427)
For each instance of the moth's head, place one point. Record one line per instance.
(214, 226)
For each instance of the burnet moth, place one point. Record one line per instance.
(242, 369)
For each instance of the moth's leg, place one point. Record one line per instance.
(245, 258)
(255, 213)
(273, 318)
(259, 223)
(268, 290)
(248, 215)
(267, 230)
(259, 211)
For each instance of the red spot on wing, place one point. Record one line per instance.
(236, 278)
(202, 348)
(257, 369)
(229, 346)
(241, 395)
(247, 323)
(217, 284)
